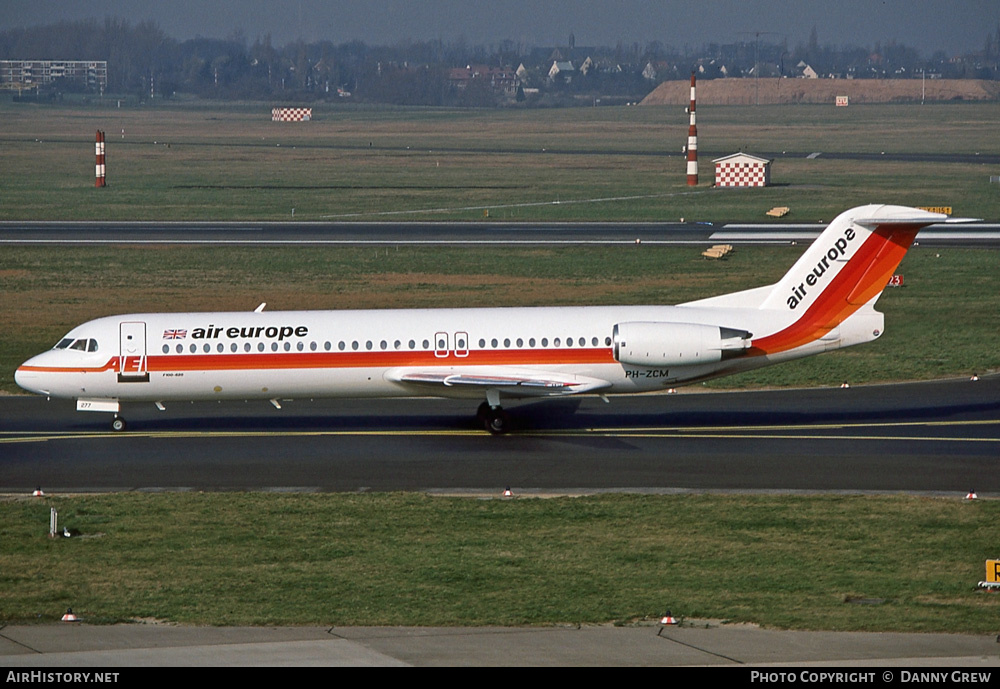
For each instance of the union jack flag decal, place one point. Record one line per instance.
(174, 334)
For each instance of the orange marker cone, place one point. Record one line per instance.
(972, 495)
(507, 492)
(69, 616)
(668, 619)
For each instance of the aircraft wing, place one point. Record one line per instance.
(513, 382)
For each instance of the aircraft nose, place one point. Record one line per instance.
(27, 378)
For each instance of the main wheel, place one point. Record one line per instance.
(497, 421)
(118, 424)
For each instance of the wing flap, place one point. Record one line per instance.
(514, 382)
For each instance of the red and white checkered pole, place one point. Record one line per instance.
(692, 147)
(101, 180)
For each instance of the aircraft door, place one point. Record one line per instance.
(132, 354)
(441, 348)
(461, 344)
(443, 344)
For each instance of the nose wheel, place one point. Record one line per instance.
(118, 425)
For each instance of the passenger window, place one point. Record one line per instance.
(166, 349)
(520, 342)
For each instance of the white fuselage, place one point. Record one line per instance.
(195, 356)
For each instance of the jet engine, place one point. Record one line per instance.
(647, 343)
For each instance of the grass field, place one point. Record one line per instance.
(230, 162)
(796, 562)
(808, 562)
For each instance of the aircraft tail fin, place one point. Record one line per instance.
(846, 268)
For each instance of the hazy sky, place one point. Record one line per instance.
(951, 25)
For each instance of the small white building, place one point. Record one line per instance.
(742, 170)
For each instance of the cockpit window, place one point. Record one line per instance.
(81, 345)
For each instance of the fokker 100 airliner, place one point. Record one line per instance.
(825, 302)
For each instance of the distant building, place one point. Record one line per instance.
(657, 71)
(742, 170)
(501, 79)
(805, 71)
(28, 74)
(562, 70)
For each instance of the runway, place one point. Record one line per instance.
(936, 438)
(984, 234)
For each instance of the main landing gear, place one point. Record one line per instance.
(494, 419)
(491, 414)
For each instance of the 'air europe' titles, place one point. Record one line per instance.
(835, 252)
(270, 332)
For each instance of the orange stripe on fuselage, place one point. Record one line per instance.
(380, 359)
(862, 279)
(167, 363)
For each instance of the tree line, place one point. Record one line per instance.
(143, 60)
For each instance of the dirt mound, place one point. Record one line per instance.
(772, 91)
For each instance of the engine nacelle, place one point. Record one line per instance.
(642, 343)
